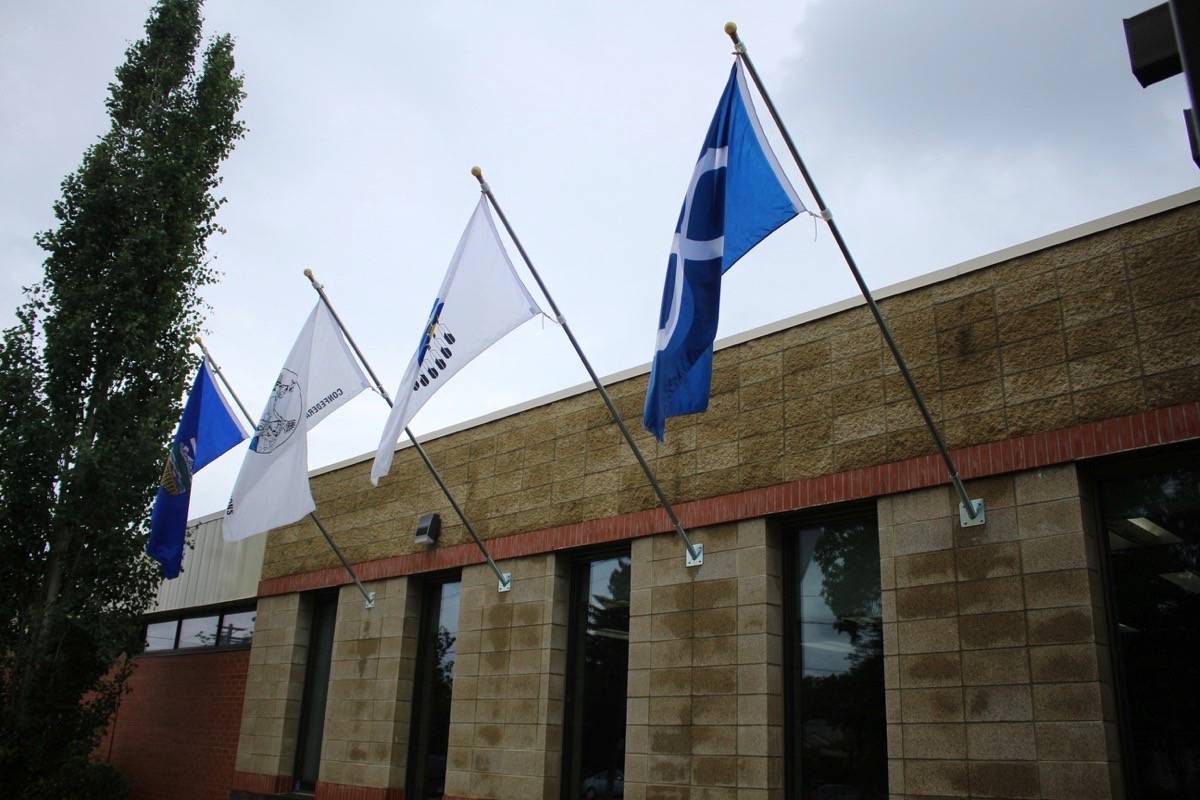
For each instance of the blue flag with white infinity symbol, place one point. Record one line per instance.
(737, 196)
(207, 429)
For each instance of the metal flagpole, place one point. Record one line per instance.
(970, 512)
(694, 550)
(504, 578)
(368, 597)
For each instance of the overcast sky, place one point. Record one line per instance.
(937, 132)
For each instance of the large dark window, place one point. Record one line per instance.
(1151, 519)
(837, 744)
(597, 676)
(218, 626)
(316, 690)
(430, 737)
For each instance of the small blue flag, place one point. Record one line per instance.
(207, 429)
(738, 195)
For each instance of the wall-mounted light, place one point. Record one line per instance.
(429, 528)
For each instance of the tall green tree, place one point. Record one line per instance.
(90, 383)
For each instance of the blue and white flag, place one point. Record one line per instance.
(737, 196)
(207, 429)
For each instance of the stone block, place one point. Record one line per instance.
(925, 569)
(930, 670)
(1065, 780)
(992, 595)
(936, 778)
(1067, 701)
(921, 602)
(988, 561)
(931, 705)
(998, 703)
(928, 636)
(995, 667)
(1001, 741)
(933, 741)
(1058, 589)
(1064, 663)
(1013, 781)
(1061, 625)
(1076, 741)
(981, 631)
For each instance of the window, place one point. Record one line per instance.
(836, 723)
(597, 674)
(1150, 512)
(228, 627)
(430, 737)
(161, 635)
(316, 691)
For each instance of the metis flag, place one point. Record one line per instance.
(737, 197)
(481, 299)
(319, 376)
(207, 429)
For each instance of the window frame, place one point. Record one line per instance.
(788, 527)
(219, 610)
(576, 562)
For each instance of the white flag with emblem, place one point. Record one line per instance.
(319, 377)
(480, 301)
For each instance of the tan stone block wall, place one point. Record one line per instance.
(274, 685)
(705, 699)
(507, 706)
(367, 713)
(1098, 327)
(995, 647)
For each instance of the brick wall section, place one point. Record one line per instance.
(1095, 328)
(996, 662)
(175, 735)
(705, 704)
(507, 706)
(367, 713)
(266, 748)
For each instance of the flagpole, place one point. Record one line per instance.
(971, 512)
(504, 578)
(368, 597)
(694, 550)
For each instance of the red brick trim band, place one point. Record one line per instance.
(344, 791)
(1120, 434)
(261, 784)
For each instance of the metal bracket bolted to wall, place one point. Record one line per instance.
(505, 582)
(695, 556)
(964, 516)
(370, 602)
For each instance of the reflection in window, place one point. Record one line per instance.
(161, 635)
(836, 714)
(594, 747)
(1152, 522)
(237, 628)
(198, 632)
(432, 690)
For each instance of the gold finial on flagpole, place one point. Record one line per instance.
(198, 340)
(477, 172)
(731, 28)
(308, 273)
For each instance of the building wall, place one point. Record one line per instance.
(214, 570)
(996, 656)
(1098, 327)
(176, 732)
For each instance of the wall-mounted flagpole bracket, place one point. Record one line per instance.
(368, 597)
(695, 552)
(971, 511)
(504, 579)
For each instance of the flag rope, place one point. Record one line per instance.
(695, 551)
(971, 511)
(368, 597)
(504, 579)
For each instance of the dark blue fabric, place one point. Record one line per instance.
(206, 430)
(743, 202)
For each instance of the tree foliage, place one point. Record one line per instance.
(90, 384)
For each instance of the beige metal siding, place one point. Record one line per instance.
(214, 570)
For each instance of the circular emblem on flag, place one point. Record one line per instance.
(177, 472)
(282, 416)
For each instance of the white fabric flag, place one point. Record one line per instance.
(480, 301)
(319, 377)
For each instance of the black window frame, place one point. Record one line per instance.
(414, 778)
(219, 610)
(788, 526)
(1093, 473)
(579, 562)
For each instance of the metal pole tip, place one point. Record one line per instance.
(308, 274)
(198, 340)
(477, 172)
(731, 28)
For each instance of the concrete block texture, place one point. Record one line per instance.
(995, 657)
(706, 667)
(1090, 329)
(509, 682)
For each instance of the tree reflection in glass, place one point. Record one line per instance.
(433, 689)
(596, 694)
(1152, 524)
(839, 733)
